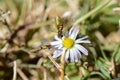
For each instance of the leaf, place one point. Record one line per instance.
(75, 78)
(94, 79)
(70, 69)
(103, 54)
(93, 52)
(105, 73)
(2, 46)
(117, 57)
(111, 19)
(98, 73)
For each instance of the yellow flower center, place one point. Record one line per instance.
(68, 43)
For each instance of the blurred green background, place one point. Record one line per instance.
(25, 25)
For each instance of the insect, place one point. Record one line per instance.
(59, 25)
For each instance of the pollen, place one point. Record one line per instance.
(68, 43)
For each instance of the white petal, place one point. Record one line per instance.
(78, 53)
(67, 56)
(71, 30)
(57, 46)
(57, 53)
(82, 49)
(82, 41)
(74, 33)
(75, 55)
(72, 55)
(63, 37)
(85, 37)
(57, 38)
(60, 46)
(55, 43)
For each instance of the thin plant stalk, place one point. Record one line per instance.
(14, 70)
(54, 62)
(101, 6)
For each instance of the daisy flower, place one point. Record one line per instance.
(71, 44)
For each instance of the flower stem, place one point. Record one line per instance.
(62, 70)
(102, 5)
